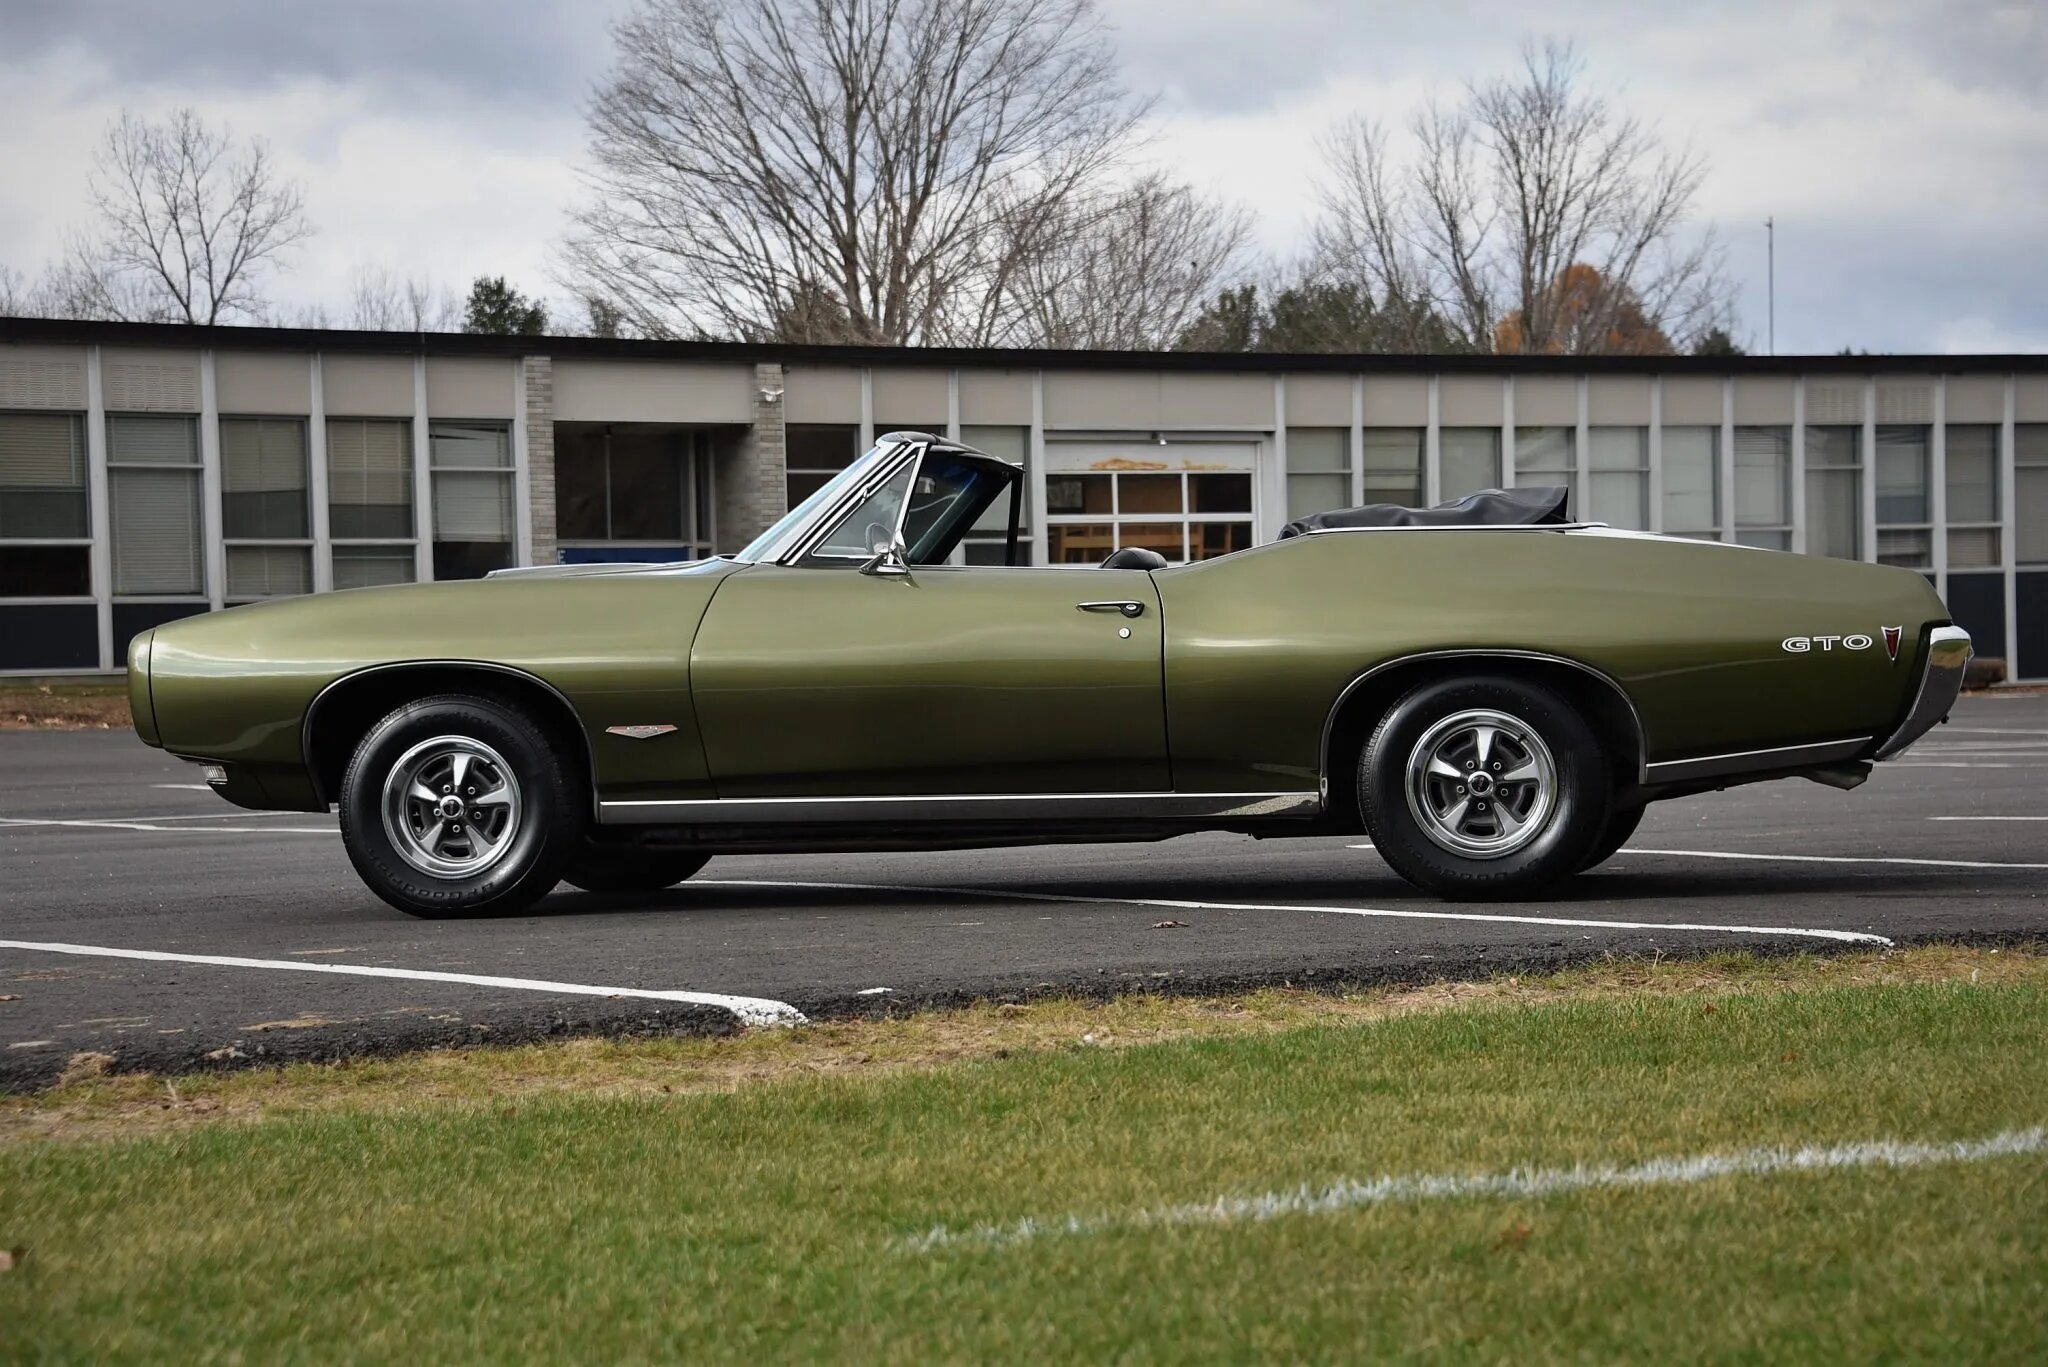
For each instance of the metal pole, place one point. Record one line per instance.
(1771, 283)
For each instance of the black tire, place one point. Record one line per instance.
(1621, 824)
(542, 826)
(1531, 726)
(629, 870)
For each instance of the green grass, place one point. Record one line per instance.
(769, 1221)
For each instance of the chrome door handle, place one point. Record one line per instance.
(1124, 605)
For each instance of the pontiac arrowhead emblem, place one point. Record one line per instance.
(639, 732)
(1891, 642)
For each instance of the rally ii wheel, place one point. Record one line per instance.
(1484, 788)
(459, 806)
(629, 870)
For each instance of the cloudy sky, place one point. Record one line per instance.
(1901, 145)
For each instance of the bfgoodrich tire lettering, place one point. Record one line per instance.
(392, 843)
(1483, 788)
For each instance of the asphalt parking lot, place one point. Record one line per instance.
(111, 854)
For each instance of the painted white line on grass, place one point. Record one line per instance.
(1174, 904)
(750, 1010)
(1839, 859)
(1517, 1183)
(152, 825)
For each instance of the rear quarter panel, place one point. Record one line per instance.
(1260, 645)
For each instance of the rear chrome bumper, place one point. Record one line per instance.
(1941, 679)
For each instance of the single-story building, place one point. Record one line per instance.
(150, 471)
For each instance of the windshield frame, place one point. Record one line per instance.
(798, 533)
(825, 506)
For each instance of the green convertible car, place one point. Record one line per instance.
(1492, 694)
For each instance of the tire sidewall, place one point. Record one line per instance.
(1579, 809)
(547, 818)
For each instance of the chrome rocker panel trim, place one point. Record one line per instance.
(1941, 679)
(960, 807)
(1782, 757)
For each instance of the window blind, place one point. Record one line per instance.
(472, 505)
(133, 440)
(42, 475)
(157, 547)
(1763, 476)
(263, 477)
(469, 446)
(268, 571)
(369, 477)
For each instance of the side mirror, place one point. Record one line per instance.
(891, 556)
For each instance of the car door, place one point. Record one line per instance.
(830, 682)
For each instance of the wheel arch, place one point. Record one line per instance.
(343, 712)
(1603, 702)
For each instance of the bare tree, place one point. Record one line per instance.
(188, 224)
(882, 168)
(379, 301)
(1506, 192)
(1129, 268)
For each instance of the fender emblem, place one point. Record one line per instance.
(1891, 642)
(639, 732)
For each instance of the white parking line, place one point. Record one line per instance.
(151, 825)
(1988, 818)
(750, 1010)
(1173, 904)
(191, 787)
(1517, 1184)
(1839, 859)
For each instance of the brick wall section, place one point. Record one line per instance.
(540, 455)
(751, 473)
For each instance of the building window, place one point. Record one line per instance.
(1763, 487)
(1318, 470)
(634, 485)
(1618, 465)
(369, 499)
(1692, 481)
(1393, 466)
(1905, 511)
(812, 454)
(988, 540)
(1183, 515)
(469, 465)
(153, 493)
(1545, 455)
(1834, 492)
(1468, 460)
(1971, 460)
(264, 516)
(2030, 492)
(45, 530)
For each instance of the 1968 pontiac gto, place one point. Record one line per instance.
(1492, 694)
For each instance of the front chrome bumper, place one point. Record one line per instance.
(1941, 679)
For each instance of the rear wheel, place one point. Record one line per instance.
(459, 806)
(1484, 787)
(602, 870)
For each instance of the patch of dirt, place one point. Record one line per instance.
(52, 707)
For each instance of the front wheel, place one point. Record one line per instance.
(1484, 788)
(459, 806)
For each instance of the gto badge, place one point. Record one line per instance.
(1891, 642)
(1801, 645)
(639, 732)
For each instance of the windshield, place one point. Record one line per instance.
(762, 546)
(930, 503)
